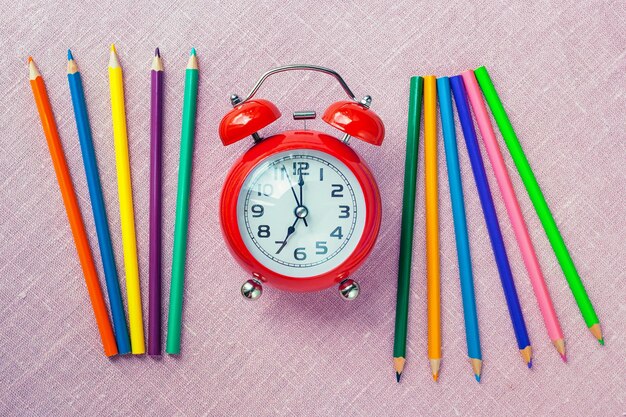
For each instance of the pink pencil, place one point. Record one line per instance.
(514, 212)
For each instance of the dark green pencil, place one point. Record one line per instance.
(408, 217)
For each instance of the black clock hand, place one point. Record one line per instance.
(291, 185)
(290, 231)
(301, 183)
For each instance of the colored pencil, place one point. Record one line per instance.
(408, 219)
(540, 204)
(97, 204)
(156, 132)
(433, 284)
(182, 205)
(73, 211)
(491, 219)
(466, 278)
(515, 213)
(125, 195)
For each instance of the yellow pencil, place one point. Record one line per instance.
(432, 225)
(127, 216)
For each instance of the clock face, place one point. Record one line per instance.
(301, 213)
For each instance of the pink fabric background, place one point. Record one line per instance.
(560, 72)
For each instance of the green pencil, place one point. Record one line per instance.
(182, 206)
(539, 201)
(406, 231)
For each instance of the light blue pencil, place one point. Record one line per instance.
(460, 226)
(97, 205)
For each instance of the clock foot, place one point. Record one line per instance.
(252, 289)
(349, 289)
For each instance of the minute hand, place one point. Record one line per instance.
(293, 191)
(300, 184)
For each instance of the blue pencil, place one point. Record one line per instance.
(493, 227)
(97, 205)
(460, 226)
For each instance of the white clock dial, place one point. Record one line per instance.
(301, 213)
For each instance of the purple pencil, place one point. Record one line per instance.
(154, 285)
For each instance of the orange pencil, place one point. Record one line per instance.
(433, 279)
(73, 211)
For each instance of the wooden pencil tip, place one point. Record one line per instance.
(435, 365)
(564, 358)
(398, 366)
(72, 68)
(477, 376)
(157, 63)
(33, 71)
(477, 366)
(193, 51)
(527, 355)
(114, 61)
(559, 344)
(596, 331)
(193, 60)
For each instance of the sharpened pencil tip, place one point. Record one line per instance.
(527, 356)
(157, 52)
(564, 358)
(477, 378)
(596, 331)
(398, 366)
(113, 48)
(435, 366)
(69, 55)
(33, 72)
(193, 51)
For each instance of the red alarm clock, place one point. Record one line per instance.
(300, 210)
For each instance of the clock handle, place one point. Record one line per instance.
(353, 117)
(302, 67)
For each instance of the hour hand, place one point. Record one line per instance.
(290, 231)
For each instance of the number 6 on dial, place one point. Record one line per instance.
(300, 210)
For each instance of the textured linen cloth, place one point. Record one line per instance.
(559, 68)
